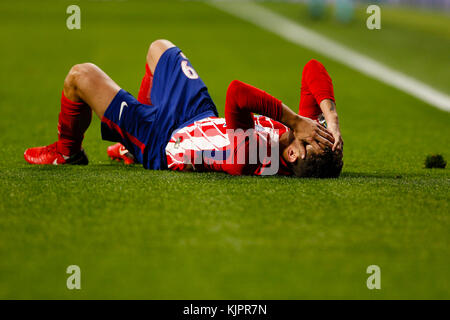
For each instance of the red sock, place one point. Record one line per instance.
(316, 86)
(146, 87)
(74, 119)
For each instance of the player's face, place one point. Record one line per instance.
(292, 152)
(309, 149)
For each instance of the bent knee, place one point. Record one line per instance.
(159, 45)
(79, 72)
(155, 51)
(83, 70)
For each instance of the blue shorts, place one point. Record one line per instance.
(179, 97)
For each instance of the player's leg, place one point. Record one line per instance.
(155, 51)
(146, 87)
(86, 83)
(86, 88)
(179, 98)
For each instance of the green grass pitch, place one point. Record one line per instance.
(165, 235)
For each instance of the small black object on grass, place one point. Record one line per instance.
(435, 161)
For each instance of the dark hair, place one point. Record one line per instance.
(325, 165)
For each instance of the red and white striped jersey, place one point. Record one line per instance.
(210, 135)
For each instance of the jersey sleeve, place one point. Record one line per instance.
(243, 100)
(316, 86)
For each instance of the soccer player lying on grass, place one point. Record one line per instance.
(174, 123)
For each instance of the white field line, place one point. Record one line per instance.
(304, 37)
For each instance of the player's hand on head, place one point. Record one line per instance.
(311, 132)
(338, 144)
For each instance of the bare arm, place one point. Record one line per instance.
(328, 108)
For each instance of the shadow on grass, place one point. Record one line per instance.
(47, 167)
(371, 175)
(114, 166)
(388, 175)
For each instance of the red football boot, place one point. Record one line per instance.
(49, 155)
(119, 153)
